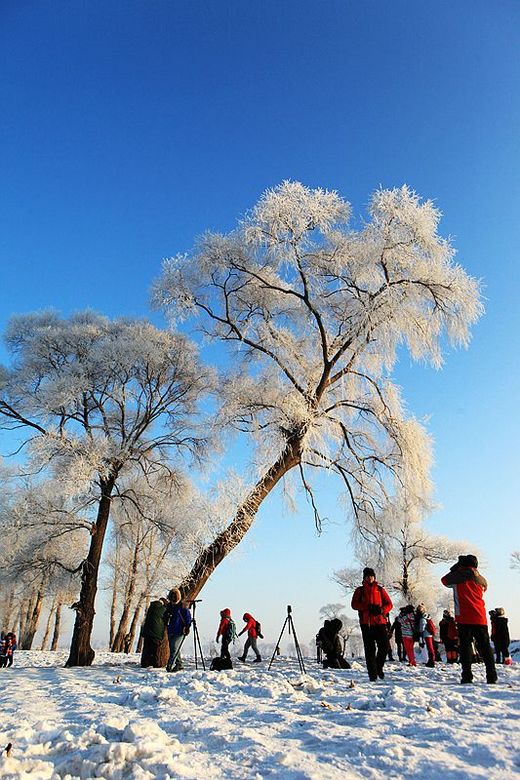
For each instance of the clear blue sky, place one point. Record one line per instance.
(130, 127)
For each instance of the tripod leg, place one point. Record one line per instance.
(194, 626)
(278, 643)
(177, 654)
(298, 648)
(197, 639)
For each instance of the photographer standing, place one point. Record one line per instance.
(178, 621)
(373, 604)
(470, 613)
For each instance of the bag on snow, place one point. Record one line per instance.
(218, 664)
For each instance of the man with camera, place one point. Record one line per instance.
(470, 613)
(373, 604)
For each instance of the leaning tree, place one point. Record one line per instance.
(100, 400)
(314, 312)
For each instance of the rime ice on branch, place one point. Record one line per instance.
(101, 401)
(314, 313)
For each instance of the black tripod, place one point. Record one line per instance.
(289, 621)
(196, 637)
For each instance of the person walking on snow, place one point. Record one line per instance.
(178, 621)
(427, 631)
(252, 634)
(227, 631)
(373, 604)
(470, 613)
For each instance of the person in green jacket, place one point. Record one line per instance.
(152, 632)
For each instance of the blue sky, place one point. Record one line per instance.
(128, 128)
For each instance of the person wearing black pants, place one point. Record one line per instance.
(481, 636)
(375, 637)
(469, 587)
(373, 604)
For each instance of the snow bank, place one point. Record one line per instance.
(115, 720)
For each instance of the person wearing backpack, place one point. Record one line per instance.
(427, 631)
(373, 604)
(469, 587)
(254, 630)
(226, 630)
(177, 618)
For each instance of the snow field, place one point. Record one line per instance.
(115, 720)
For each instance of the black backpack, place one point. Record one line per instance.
(258, 627)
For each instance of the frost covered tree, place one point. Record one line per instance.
(314, 312)
(99, 400)
(397, 545)
(151, 536)
(515, 560)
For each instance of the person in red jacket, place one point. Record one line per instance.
(470, 613)
(252, 635)
(226, 630)
(373, 604)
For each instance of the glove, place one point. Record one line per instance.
(374, 609)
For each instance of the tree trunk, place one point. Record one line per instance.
(28, 606)
(57, 627)
(119, 640)
(209, 559)
(163, 652)
(21, 620)
(129, 638)
(113, 608)
(81, 653)
(8, 613)
(406, 581)
(34, 618)
(48, 626)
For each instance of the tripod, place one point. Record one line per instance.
(196, 637)
(289, 622)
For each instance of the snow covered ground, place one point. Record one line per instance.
(115, 720)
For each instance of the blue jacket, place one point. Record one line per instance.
(177, 618)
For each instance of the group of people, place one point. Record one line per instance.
(465, 635)
(173, 616)
(7, 648)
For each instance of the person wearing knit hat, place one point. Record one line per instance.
(178, 621)
(373, 604)
(469, 587)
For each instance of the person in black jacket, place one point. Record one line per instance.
(152, 632)
(332, 645)
(501, 638)
(396, 632)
